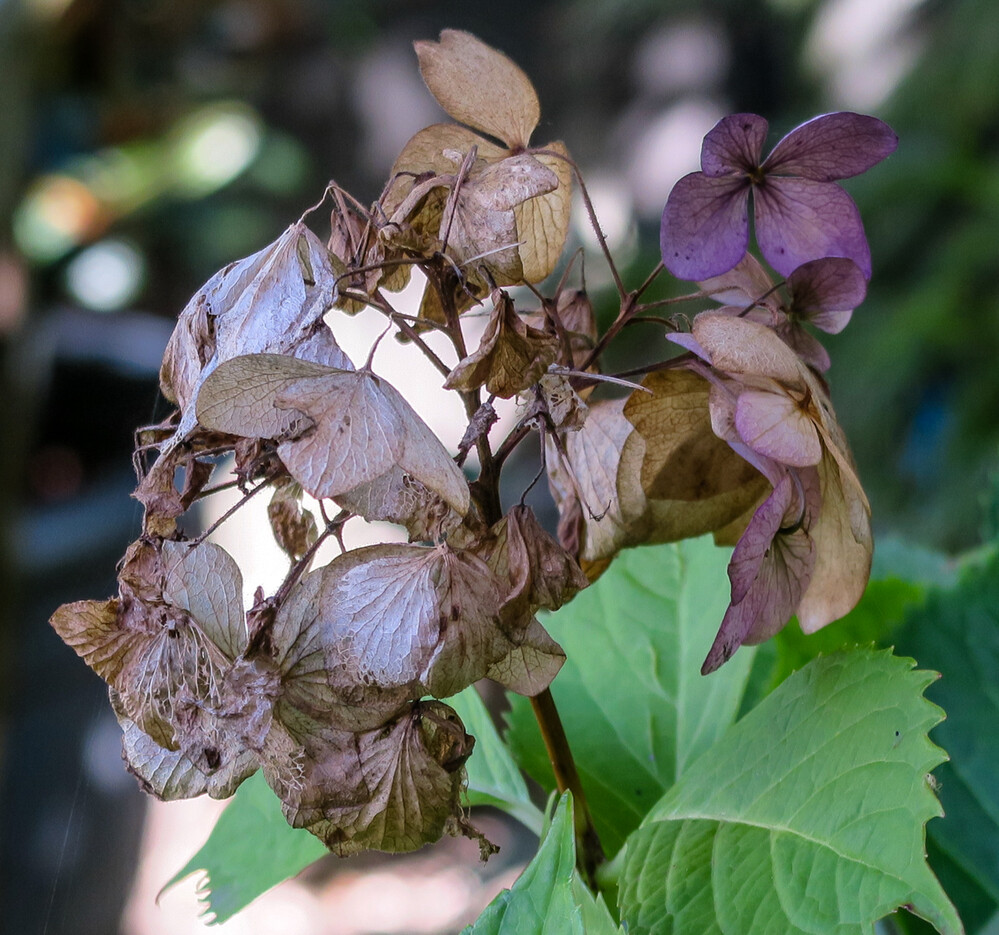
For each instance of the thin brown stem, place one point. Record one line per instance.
(589, 851)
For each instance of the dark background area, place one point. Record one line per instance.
(144, 144)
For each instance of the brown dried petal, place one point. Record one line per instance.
(529, 668)
(293, 526)
(412, 773)
(480, 87)
(511, 356)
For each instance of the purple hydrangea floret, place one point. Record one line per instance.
(801, 214)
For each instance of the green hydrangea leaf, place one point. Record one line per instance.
(493, 777)
(957, 632)
(251, 848)
(808, 815)
(548, 898)
(636, 710)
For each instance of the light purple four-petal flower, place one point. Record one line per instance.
(800, 213)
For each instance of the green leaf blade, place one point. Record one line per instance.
(635, 708)
(548, 898)
(250, 849)
(808, 816)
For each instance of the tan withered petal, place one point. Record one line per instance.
(365, 448)
(511, 356)
(843, 543)
(412, 773)
(738, 346)
(177, 626)
(543, 221)
(565, 406)
(417, 619)
(294, 527)
(479, 221)
(480, 87)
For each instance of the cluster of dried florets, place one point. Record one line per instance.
(324, 684)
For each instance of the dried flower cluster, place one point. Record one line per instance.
(324, 685)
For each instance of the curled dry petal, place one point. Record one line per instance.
(511, 356)
(294, 527)
(409, 619)
(825, 292)
(354, 438)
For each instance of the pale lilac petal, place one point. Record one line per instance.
(769, 571)
(830, 285)
(705, 227)
(688, 342)
(833, 146)
(745, 284)
(774, 425)
(734, 144)
(798, 220)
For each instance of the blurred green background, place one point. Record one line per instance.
(146, 143)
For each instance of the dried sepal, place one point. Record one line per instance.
(345, 435)
(511, 356)
(528, 669)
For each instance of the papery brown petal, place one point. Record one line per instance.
(575, 312)
(294, 527)
(480, 87)
(412, 773)
(844, 547)
(747, 283)
(543, 221)
(92, 629)
(511, 357)
(481, 227)
(738, 346)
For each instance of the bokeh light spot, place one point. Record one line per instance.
(107, 276)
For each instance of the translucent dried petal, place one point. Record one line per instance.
(825, 292)
(368, 449)
(409, 618)
(528, 669)
(294, 527)
(776, 426)
(543, 221)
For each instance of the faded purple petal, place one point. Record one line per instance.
(826, 291)
(734, 144)
(705, 227)
(769, 571)
(775, 426)
(833, 146)
(798, 220)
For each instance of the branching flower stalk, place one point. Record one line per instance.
(333, 686)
